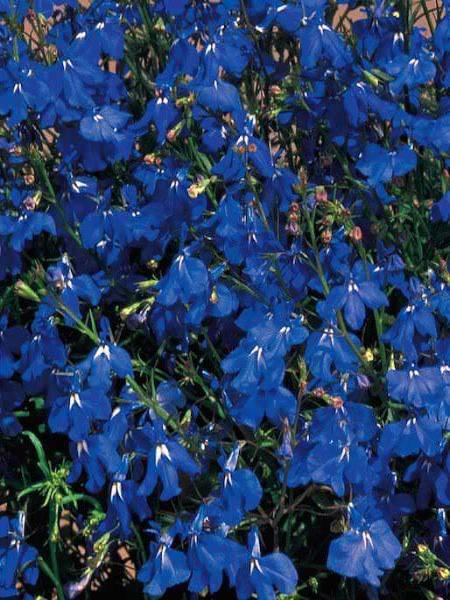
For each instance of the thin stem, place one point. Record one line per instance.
(45, 568)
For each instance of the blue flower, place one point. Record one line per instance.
(357, 293)
(11, 339)
(441, 209)
(17, 558)
(240, 489)
(123, 502)
(29, 224)
(262, 575)
(380, 166)
(97, 454)
(419, 387)
(165, 568)
(209, 554)
(75, 411)
(165, 458)
(367, 549)
(410, 436)
(107, 357)
(20, 90)
(187, 279)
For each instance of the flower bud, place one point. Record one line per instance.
(320, 194)
(326, 236)
(356, 234)
(23, 290)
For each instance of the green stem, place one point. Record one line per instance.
(379, 328)
(84, 498)
(53, 541)
(47, 571)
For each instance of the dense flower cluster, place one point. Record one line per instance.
(225, 296)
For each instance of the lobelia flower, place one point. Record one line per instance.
(355, 295)
(12, 397)
(74, 77)
(17, 559)
(21, 89)
(412, 69)
(432, 480)
(419, 387)
(230, 49)
(249, 408)
(11, 340)
(338, 462)
(369, 547)
(262, 575)
(187, 279)
(106, 358)
(123, 502)
(165, 568)
(29, 224)
(104, 137)
(380, 166)
(414, 322)
(319, 41)
(341, 418)
(240, 490)
(165, 458)
(74, 412)
(72, 289)
(383, 485)
(409, 437)
(209, 554)
(169, 396)
(217, 95)
(162, 112)
(328, 350)
(41, 352)
(97, 454)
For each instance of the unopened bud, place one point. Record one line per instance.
(320, 194)
(337, 402)
(356, 234)
(32, 202)
(326, 236)
(443, 573)
(422, 549)
(29, 178)
(368, 355)
(23, 290)
(172, 135)
(292, 226)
